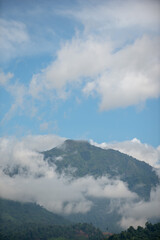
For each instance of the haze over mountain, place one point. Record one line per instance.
(85, 183)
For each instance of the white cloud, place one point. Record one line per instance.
(108, 188)
(136, 149)
(13, 37)
(132, 76)
(127, 77)
(61, 194)
(135, 214)
(75, 60)
(106, 15)
(121, 72)
(17, 90)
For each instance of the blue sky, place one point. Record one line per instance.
(80, 69)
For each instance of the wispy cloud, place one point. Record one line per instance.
(13, 38)
(18, 92)
(103, 16)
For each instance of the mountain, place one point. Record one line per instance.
(91, 174)
(87, 159)
(79, 159)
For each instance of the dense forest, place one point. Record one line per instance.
(150, 232)
(80, 231)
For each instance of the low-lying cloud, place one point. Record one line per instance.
(26, 177)
(135, 214)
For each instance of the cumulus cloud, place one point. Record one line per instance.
(131, 77)
(25, 176)
(75, 60)
(121, 78)
(136, 149)
(120, 72)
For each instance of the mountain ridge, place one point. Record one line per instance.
(95, 169)
(91, 160)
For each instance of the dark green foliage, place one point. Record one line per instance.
(28, 221)
(90, 160)
(150, 232)
(16, 213)
(52, 232)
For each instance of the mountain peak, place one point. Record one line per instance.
(71, 145)
(91, 160)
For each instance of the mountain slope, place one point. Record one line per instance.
(87, 159)
(84, 196)
(16, 213)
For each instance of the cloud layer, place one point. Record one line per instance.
(26, 177)
(35, 180)
(137, 214)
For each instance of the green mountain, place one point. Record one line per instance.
(79, 159)
(87, 159)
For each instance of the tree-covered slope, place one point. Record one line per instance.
(14, 213)
(150, 232)
(79, 231)
(86, 159)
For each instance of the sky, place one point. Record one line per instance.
(80, 69)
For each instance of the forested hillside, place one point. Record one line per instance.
(150, 232)
(87, 159)
(14, 213)
(52, 232)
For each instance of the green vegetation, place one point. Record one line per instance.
(25, 221)
(90, 160)
(14, 213)
(79, 159)
(52, 232)
(150, 232)
(28, 221)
